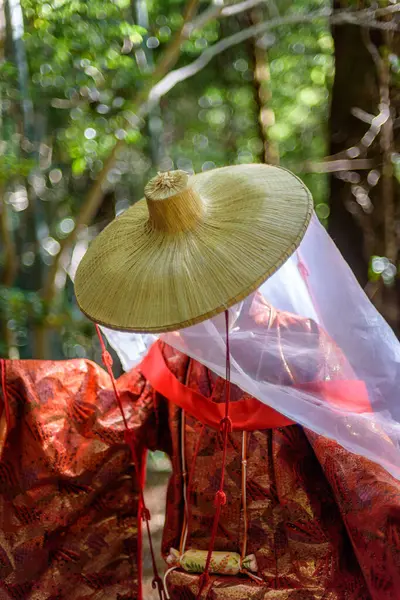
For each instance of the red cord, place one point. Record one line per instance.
(108, 363)
(5, 394)
(220, 496)
(129, 437)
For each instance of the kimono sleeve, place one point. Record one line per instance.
(369, 501)
(68, 490)
(367, 496)
(138, 401)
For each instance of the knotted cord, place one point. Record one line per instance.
(220, 496)
(129, 437)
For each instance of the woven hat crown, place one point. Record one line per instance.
(172, 204)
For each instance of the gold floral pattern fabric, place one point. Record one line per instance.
(68, 492)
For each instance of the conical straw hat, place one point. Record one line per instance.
(193, 247)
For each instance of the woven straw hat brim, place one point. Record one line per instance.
(136, 278)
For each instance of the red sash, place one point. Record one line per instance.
(248, 414)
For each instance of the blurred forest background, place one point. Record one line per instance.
(97, 96)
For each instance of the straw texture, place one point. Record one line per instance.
(194, 247)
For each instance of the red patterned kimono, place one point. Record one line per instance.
(322, 523)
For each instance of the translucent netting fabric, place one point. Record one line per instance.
(336, 334)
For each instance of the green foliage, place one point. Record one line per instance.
(213, 117)
(75, 97)
(19, 307)
(302, 69)
(13, 166)
(84, 73)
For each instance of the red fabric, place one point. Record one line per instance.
(68, 491)
(323, 523)
(351, 395)
(247, 414)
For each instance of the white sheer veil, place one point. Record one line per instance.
(315, 283)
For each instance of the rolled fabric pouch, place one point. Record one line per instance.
(222, 563)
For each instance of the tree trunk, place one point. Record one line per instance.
(364, 205)
(262, 82)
